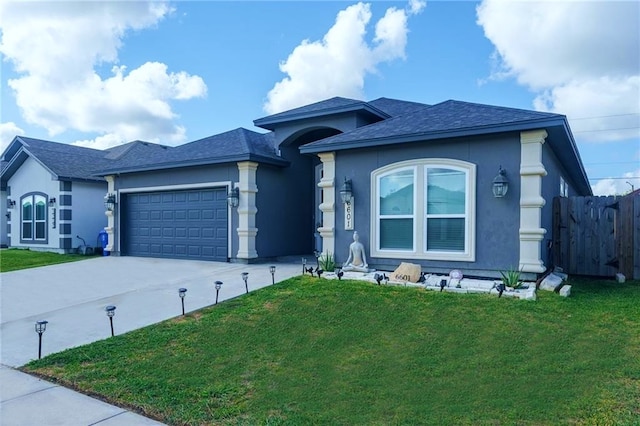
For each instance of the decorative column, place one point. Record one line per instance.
(111, 220)
(328, 205)
(531, 201)
(247, 210)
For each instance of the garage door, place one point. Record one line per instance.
(176, 224)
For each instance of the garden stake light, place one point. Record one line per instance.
(218, 285)
(245, 277)
(304, 265)
(182, 292)
(385, 277)
(500, 287)
(41, 326)
(378, 278)
(111, 311)
(319, 272)
(272, 269)
(443, 284)
(310, 270)
(340, 274)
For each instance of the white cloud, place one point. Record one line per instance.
(55, 47)
(8, 131)
(581, 58)
(338, 64)
(617, 186)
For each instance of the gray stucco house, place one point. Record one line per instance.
(50, 195)
(419, 180)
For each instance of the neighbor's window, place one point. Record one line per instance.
(34, 218)
(424, 209)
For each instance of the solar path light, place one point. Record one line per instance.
(111, 311)
(245, 277)
(272, 269)
(304, 265)
(41, 326)
(218, 285)
(182, 292)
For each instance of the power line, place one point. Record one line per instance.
(605, 116)
(606, 130)
(616, 178)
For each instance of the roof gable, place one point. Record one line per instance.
(336, 105)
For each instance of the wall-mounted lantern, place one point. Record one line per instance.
(11, 203)
(500, 184)
(233, 197)
(110, 202)
(346, 192)
(52, 201)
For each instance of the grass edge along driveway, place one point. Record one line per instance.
(17, 259)
(315, 351)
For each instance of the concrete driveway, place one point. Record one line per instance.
(72, 298)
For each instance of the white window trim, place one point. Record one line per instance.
(419, 212)
(34, 198)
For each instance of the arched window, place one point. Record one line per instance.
(424, 209)
(33, 218)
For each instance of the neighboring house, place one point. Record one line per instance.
(420, 177)
(50, 194)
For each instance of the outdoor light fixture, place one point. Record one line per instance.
(385, 277)
(378, 278)
(182, 292)
(41, 326)
(52, 201)
(110, 201)
(500, 184)
(272, 269)
(111, 311)
(443, 284)
(11, 203)
(233, 197)
(218, 285)
(346, 192)
(304, 265)
(319, 272)
(245, 277)
(501, 288)
(340, 274)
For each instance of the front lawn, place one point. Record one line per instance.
(15, 259)
(315, 351)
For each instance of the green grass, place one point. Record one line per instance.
(314, 351)
(15, 259)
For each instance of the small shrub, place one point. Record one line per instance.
(326, 262)
(511, 278)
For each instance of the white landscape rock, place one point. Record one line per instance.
(565, 291)
(620, 278)
(551, 282)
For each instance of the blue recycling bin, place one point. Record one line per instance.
(103, 237)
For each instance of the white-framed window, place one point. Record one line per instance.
(564, 187)
(424, 209)
(33, 218)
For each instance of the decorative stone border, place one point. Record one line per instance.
(432, 282)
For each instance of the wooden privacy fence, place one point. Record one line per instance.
(598, 236)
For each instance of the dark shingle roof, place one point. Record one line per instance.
(336, 105)
(395, 107)
(446, 119)
(65, 161)
(235, 145)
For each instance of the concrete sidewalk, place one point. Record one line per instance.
(72, 298)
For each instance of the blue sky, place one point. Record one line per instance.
(99, 74)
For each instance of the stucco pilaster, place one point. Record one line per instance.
(247, 210)
(328, 205)
(531, 201)
(111, 218)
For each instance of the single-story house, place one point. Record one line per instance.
(454, 185)
(50, 195)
